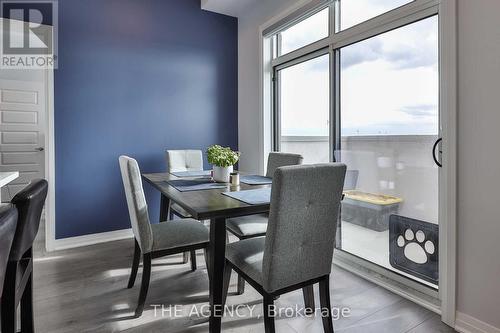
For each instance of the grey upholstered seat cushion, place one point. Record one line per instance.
(248, 226)
(247, 255)
(172, 234)
(179, 211)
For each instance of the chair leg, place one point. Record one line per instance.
(8, 306)
(207, 262)
(225, 282)
(241, 285)
(193, 260)
(146, 276)
(241, 281)
(27, 320)
(308, 293)
(269, 314)
(326, 308)
(135, 265)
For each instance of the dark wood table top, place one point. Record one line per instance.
(206, 204)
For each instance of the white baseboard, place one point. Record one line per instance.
(468, 324)
(79, 241)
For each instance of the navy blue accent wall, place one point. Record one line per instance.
(135, 77)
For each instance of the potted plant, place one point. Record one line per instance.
(222, 159)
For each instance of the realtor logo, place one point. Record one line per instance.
(29, 34)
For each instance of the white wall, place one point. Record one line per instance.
(249, 138)
(479, 160)
(478, 285)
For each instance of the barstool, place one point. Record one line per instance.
(8, 222)
(18, 286)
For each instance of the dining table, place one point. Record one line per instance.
(6, 178)
(210, 205)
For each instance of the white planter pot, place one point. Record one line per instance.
(221, 175)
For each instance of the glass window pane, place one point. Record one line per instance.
(353, 12)
(304, 105)
(389, 83)
(305, 32)
(389, 123)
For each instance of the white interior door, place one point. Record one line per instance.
(22, 131)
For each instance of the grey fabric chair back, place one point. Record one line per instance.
(302, 224)
(184, 160)
(276, 160)
(8, 222)
(351, 180)
(136, 202)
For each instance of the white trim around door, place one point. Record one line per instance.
(50, 174)
(448, 182)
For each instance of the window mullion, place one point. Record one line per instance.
(332, 21)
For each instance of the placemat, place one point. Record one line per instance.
(252, 197)
(182, 174)
(255, 180)
(186, 185)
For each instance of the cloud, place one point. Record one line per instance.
(420, 110)
(365, 51)
(409, 47)
(398, 57)
(320, 64)
(411, 57)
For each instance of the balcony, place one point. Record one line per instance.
(400, 166)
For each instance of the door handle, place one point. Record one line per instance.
(40, 148)
(436, 145)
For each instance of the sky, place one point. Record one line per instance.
(389, 83)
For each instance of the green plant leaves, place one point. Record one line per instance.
(222, 156)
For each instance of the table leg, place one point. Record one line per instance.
(217, 258)
(164, 208)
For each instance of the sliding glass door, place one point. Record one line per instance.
(389, 122)
(373, 104)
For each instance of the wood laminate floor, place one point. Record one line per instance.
(84, 290)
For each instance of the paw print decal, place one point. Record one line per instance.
(416, 247)
(413, 247)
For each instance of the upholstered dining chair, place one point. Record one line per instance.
(298, 248)
(18, 285)
(183, 160)
(154, 240)
(178, 161)
(8, 222)
(255, 225)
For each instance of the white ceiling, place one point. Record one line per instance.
(228, 7)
